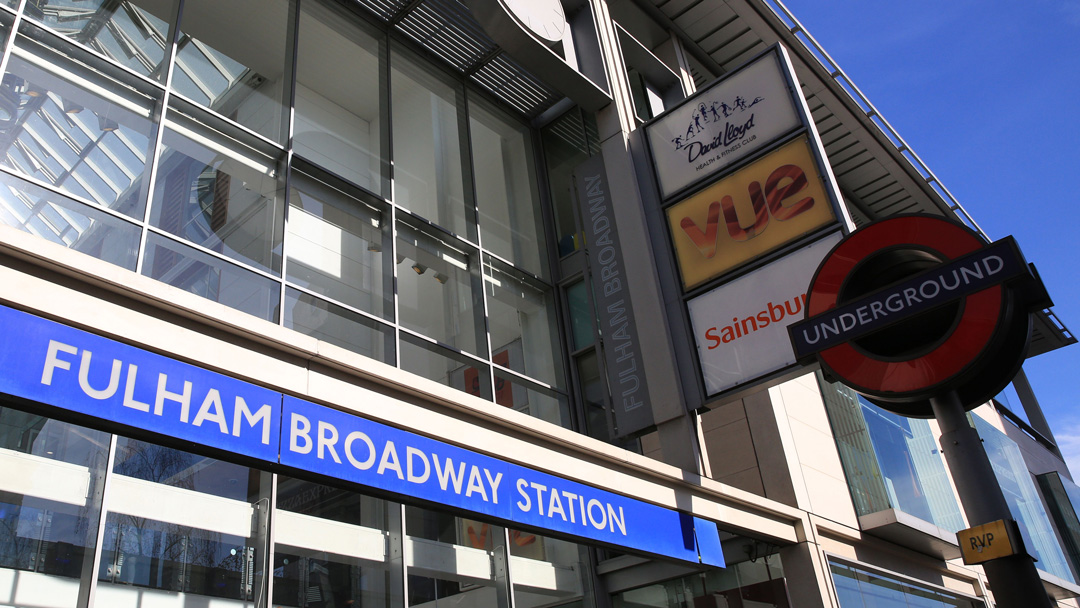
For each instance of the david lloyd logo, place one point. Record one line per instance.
(735, 127)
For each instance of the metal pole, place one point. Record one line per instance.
(1013, 580)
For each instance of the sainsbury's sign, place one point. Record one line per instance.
(125, 386)
(740, 328)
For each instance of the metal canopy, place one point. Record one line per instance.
(449, 32)
(878, 173)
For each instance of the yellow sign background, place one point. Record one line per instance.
(695, 263)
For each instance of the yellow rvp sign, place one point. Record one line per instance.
(755, 210)
(989, 541)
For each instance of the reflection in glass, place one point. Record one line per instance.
(182, 527)
(567, 144)
(890, 462)
(48, 530)
(547, 571)
(1023, 498)
(522, 324)
(510, 222)
(333, 548)
(1063, 501)
(336, 247)
(581, 314)
(218, 193)
(339, 326)
(857, 587)
(454, 561)
(339, 98)
(63, 221)
(429, 146)
(525, 397)
(445, 366)
(439, 289)
(759, 583)
(210, 277)
(133, 33)
(231, 58)
(70, 126)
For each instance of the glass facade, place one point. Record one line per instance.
(858, 587)
(224, 151)
(1062, 497)
(147, 525)
(891, 462)
(1024, 504)
(758, 582)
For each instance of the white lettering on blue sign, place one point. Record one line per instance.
(81, 372)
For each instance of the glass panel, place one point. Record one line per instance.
(48, 531)
(429, 145)
(581, 315)
(218, 193)
(71, 126)
(439, 289)
(231, 58)
(66, 222)
(333, 548)
(566, 145)
(211, 278)
(861, 588)
(336, 245)
(890, 461)
(547, 571)
(759, 583)
(181, 528)
(320, 319)
(1063, 499)
(593, 391)
(522, 323)
(445, 366)
(513, 392)
(132, 33)
(454, 561)
(1023, 498)
(339, 95)
(510, 221)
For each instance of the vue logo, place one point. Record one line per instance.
(759, 208)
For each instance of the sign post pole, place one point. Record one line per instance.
(1013, 579)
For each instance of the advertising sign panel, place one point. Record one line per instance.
(763, 206)
(740, 328)
(733, 118)
(77, 371)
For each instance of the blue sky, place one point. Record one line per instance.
(988, 95)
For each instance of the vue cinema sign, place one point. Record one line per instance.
(754, 211)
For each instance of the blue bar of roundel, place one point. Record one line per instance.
(708, 541)
(390, 459)
(82, 372)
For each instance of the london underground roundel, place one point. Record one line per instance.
(915, 306)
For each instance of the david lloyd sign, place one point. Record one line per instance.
(740, 114)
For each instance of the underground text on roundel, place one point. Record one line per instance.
(974, 272)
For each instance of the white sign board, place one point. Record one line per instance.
(741, 327)
(738, 115)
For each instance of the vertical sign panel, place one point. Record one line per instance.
(622, 349)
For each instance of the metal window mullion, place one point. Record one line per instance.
(155, 156)
(268, 572)
(388, 164)
(88, 591)
(471, 175)
(292, 51)
(10, 42)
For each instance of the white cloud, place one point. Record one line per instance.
(1068, 440)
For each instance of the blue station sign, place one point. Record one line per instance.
(74, 370)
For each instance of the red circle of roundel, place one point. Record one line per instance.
(968, 338)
